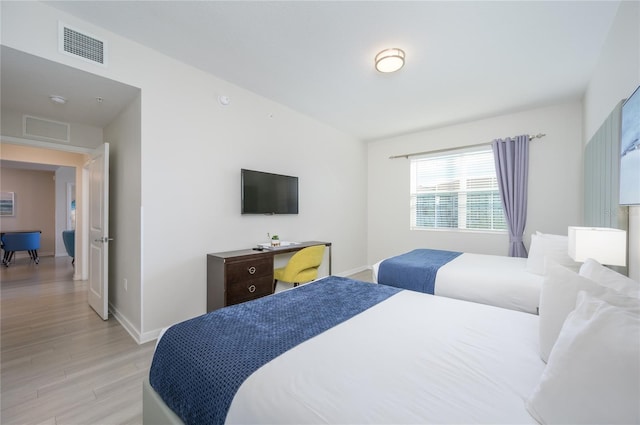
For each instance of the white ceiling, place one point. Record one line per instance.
(28, 81)
(464, 60)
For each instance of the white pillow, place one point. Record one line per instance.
(595, 271)
(553, 247)
(535, 259)
(557, 299)
(550, 235)
(593, 374)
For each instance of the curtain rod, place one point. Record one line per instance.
(407, 155)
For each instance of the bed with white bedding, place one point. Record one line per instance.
(402, 356)
(372, 370)
(488, 279)
(411, 358)
(507, 282)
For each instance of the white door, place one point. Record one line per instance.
(98, 170)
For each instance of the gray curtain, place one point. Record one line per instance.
(512, 170)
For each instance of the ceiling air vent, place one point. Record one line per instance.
(45, 129)
(82, 45)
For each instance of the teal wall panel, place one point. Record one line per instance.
(601, 176)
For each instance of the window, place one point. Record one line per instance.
(456, 190)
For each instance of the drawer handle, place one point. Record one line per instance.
(251, 270)
(252, 288)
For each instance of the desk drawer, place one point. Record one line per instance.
(250, 269)
(249, 289)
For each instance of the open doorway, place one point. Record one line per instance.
(90, 110)
(44, 183)
(46, 193)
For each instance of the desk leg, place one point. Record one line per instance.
(330, 248)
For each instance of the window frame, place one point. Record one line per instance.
(461, 189)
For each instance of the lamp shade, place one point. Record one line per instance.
(605, 245)
(389, 60)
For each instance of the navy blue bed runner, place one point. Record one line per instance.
(416, 270)
(199, 364)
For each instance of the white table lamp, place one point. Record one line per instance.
(605, 245)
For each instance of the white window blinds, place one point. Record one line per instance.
(456, 190)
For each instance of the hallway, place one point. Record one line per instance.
(62, 364)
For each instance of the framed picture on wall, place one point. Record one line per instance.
(7, 204)
(630, 151)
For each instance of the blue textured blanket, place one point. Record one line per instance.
(199, 364)
(416, 270)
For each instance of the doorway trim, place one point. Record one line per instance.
(81, 264)
(45, 145)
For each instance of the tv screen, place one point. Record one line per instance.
(630, 151)
(267, 193)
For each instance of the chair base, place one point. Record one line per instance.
(295, 284)
(8, 256)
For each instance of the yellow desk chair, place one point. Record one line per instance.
(301, 268)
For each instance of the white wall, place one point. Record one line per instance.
(617, 72)
(64, 176)
(616, 75)
(555, 174)
(192, 150)
(123, 136)
(34, 205)
(191, 195)
(79, 134)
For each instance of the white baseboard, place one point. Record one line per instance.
(126, 324)
(150, 336)
(138, 337)
(348, 273)
(142, 338)
(25, 254)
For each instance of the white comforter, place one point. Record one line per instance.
(413, 358)
(488, 279)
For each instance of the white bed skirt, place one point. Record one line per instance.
(488, 279)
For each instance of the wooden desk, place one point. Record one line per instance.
(238, 276)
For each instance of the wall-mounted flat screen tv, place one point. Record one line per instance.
(630, 151)
(268, 193)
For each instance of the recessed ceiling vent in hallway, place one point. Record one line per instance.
(45, 129)
(82, 45)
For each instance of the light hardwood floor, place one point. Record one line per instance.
(60, 363)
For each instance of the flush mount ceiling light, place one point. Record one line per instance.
(58, 99)
(390, 60)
